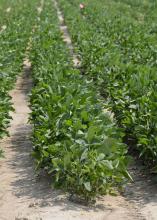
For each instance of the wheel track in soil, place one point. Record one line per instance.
(24, 196)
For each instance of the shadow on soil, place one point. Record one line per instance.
(143, 190)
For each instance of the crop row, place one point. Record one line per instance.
(14, 36)
(75, 138)
(116, 41)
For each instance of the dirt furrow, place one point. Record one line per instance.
(66, 36)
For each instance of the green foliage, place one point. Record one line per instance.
(75, 138)
(116, 41)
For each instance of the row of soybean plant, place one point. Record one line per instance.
(117, 42)
(74, 137)
(16, 25)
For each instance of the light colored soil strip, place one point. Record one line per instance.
(16, 150)
(66, 36)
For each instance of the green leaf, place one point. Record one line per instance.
(84, 115)
(88, 186)
(84, 155)
(107, 164)
(91, 133)
(100, 157)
